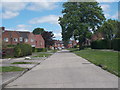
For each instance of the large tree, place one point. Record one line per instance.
(37, 31)
(79, 19)
(48, 37)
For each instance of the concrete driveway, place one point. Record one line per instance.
(66, 70)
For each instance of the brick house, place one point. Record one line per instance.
(58, 44)
(71, 44)
(39, 41)
(10, 37)
(15, 37)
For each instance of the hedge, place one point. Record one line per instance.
(22, 50)
(116, 44)
(40, 49)
(101, 44)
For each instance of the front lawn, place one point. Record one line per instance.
(43, 55)
(10, 69)
(106, 59)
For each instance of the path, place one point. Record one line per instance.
(66, 70)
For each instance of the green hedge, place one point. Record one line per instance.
(101, 44)
(116, 44)
(40, 49)
(22, 50)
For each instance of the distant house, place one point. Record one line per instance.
(15, 37)
(71, 44)
(58, 44)
(97, 36)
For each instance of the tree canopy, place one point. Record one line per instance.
(79, 19)
(37, 31)
(48, 37)
(110, 29)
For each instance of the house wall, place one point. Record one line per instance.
(10, 35)
(39, 41)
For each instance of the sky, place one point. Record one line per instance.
(26, 16)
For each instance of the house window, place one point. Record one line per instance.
(26, 40)
(41, 43)
(32, 40)
(6, 39)
(15, 39)
(21, 39)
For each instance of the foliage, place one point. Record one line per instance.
(101, 44)
(116, 44)
(48, 37)
(10, 69)
(79, 19)
(110, 29)
(22, 50)
(40, 49)
(37, 31)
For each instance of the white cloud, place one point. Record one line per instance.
(38, 6)
(22, 27)
(9, 14)
(57, 35)
(108, 0)
(105, 7)
(11, 10)
(52, 19)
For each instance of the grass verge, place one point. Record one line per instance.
(10, 69)
(22, 63)
(43, 55)
(107, 60)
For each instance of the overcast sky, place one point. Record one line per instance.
(26, 16)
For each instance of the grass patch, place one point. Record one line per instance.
(108, 60)
(22, 63)
(10, 69)
(53, 51)
(43, 55)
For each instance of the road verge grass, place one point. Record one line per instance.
(11, 69)
(107, 60)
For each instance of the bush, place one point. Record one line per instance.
(116, 44)
(40, 49)
(101, 44)
(22, 50)
(33, 49)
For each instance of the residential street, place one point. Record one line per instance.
(66, 70)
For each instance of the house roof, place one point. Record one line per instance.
(23, 34)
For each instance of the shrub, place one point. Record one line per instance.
(41, 50)
(101, 44)
(116, 44)
(33, 49)
(22, 50)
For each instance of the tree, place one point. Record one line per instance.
(79, 19)
(48, 37)
(110, 29)
(37, 31)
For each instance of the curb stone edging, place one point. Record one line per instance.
(14, 78)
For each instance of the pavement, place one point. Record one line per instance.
(65, 70)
